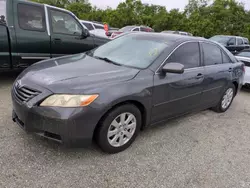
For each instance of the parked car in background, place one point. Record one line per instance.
(178, 33)
(34, 32)
(95, 28)
(130, 29)
(244, 56)
(112, 92)
(234, 44)
(111, 31)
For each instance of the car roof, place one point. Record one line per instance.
(137, 26)
(172, 37)
(229, 36)
(85, 21)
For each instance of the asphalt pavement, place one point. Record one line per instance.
(201, 150)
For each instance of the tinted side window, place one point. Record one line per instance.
(188, 54)
(246, 41)
(88, 25)
(144, 29)
(136, 29)
(31, 17)
(2, 11)
(225, 58)
(98, 26)
(212, 54)
(232, 41)
(239, 41)
(64, 23)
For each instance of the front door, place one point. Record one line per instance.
(176, 94)
(66, 34)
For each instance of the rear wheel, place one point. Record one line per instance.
(226, 99)
(119, 128)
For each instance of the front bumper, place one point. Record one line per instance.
(70, 126)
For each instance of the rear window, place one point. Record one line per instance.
(3, 11)
(31, 17)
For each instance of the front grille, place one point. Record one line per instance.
(24, 94)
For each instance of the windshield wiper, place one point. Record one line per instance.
(107, 60)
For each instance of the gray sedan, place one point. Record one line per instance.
(112, 92)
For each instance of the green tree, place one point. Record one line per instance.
(200, 17)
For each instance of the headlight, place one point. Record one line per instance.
(60, 100)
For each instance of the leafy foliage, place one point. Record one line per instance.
(200, 17)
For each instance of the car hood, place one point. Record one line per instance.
(75, 73)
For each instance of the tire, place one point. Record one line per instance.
(112, 121)
(219, 107)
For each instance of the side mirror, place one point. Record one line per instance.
(176, 68)
(85, 33)
(230, 43)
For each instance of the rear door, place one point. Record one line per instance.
(33, 41)
(218, 72)
(175, 94)
(66, 34)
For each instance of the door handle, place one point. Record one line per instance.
(199, 76)
(230, 70)
(57, 41)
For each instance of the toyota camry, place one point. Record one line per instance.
(109, 94)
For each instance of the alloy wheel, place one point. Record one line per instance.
(122, 129)
(227, 98)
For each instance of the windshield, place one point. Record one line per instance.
(132, 50)
(3, 11)
(126, 29)
(221, 39)
(244, 54)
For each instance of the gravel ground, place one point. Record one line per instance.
(203, 150)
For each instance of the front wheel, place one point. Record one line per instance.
(226, 99)
(119, 128)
